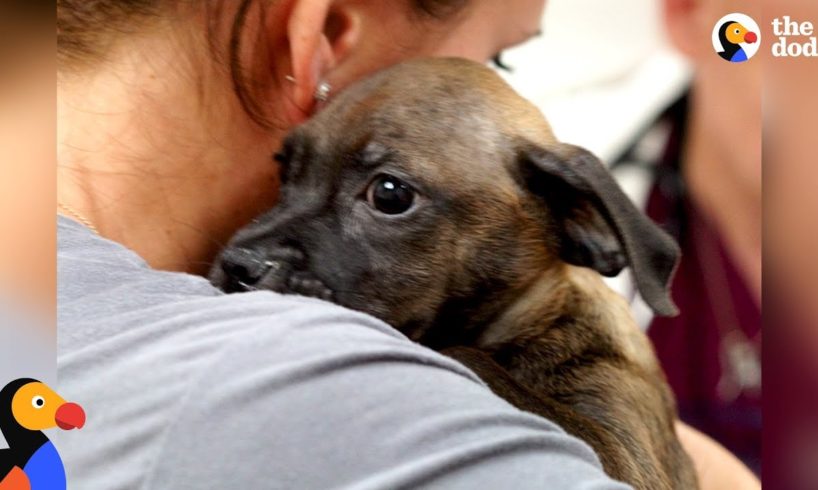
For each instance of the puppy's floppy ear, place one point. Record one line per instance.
(598, 225)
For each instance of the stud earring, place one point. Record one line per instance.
(322, 92)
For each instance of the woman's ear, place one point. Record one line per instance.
(320, 33)
(683, 25)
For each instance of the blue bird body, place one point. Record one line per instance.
(45, 470)
(740, 56)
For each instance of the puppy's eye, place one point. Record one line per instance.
(390, 195)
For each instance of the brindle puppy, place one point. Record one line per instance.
(434, 197)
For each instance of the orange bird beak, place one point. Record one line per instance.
(70, 416)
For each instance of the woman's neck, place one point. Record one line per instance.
(158, 165)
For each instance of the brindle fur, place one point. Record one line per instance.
(482, 268)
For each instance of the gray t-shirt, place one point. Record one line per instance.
(185, 387)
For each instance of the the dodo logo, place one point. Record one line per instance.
(31, 462)
(736, 37)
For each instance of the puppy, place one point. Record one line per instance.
(434, 197)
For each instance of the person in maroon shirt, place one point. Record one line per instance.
(711, 351)
(707, 193)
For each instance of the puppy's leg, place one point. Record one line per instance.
(615, 459)
(505, 386)
(499, 380)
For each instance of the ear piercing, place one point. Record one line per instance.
(322, 92)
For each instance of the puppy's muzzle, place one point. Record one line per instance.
(281, 270)
(244, 268)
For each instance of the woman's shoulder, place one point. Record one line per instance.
(137, 341)
(188, 387)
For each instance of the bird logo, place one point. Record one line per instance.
(736, 37)
(27, 407)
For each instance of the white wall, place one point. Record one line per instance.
(600, 72)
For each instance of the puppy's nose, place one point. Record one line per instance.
(244, 266)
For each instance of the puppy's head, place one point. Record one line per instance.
(432, 195)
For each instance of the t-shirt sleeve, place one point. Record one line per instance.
(337, 403)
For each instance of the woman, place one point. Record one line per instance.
(168, 114)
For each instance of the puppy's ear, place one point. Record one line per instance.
(597, 224)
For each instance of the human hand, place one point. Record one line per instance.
(716, 467)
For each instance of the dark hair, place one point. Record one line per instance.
(86, 30)
(439, 9)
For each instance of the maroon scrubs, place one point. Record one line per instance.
(790, 405)
(711, 352)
